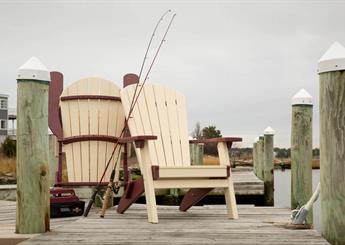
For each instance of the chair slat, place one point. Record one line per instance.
(83, 89)
(93, 128)
(173, 122)
(183, 127)
(147, 126)
(103, 129)
(134, 123)
(75, 130)
(114, 110)
(153, 115)
(159, 92)
(68, 149)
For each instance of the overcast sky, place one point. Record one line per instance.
(238, 62)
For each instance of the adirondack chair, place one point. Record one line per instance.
(87, 119)
(158, 127)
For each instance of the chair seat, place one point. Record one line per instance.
(180, 172)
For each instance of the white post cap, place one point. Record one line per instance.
(268, 131)
(333, 59)
(256, 140)
(33, 69)
(302, 98)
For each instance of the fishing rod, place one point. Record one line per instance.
(134, 101)
(150, 42)
(146, 52)
(111, 182)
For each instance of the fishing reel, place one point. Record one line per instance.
(115, 188)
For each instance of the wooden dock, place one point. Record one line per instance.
(200, 225)
(248, 188)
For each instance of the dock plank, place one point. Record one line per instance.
(245, 184)
(200, 225)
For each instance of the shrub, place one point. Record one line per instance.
(8, 147)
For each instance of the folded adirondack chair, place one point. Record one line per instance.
(87, 119)
(158, 127)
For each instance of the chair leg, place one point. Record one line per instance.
(151, 202)
(230, 200)
(132, 192)
(192, 197)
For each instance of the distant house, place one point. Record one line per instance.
(3, 116)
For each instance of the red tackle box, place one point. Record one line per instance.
(64, 203)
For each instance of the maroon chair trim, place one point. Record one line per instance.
(71, 184)
(90, 97)
(228, 171)
(155, 172)
(216, 140)
(80, 138)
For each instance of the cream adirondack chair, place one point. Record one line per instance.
(92, 120)
(158, 127)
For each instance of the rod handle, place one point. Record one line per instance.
(106, 199)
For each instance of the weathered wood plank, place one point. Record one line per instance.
(200, 225)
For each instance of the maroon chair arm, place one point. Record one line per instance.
(227, 140)
(217, 140)
(137, 140)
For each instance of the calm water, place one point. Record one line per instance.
(282, 186)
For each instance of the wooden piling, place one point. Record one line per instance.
(301, 151)
(268, 167)
(32, 214)
(331, 69)
(53, 158)
(260, 155)
(255, 164)
(196, 154)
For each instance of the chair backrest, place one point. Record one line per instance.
(92, 117)
(160, 111)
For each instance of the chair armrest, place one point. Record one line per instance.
(227, 140)
(137, 140)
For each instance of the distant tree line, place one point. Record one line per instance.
(211, 149)
(279, 152)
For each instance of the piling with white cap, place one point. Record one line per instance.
(268, 167)
(301, 150)
(331, 69)
(33, 203)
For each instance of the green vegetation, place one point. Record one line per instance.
(8, 147)
(208, 132)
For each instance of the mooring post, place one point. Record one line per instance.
(53, 157)
(32, 214)
(260, 154)
(268, 167)
(196, 153)
(331, 68)
(255, 164)
(301, 151)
